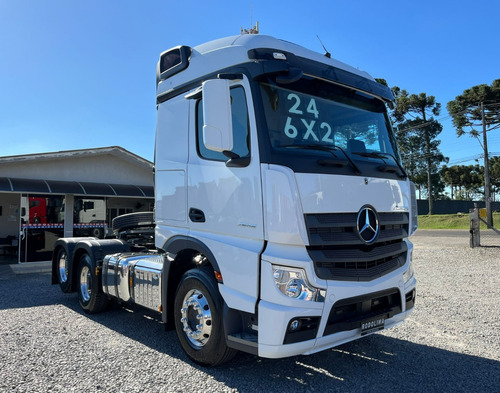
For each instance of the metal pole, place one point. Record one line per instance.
(487, 195)
(475, 240)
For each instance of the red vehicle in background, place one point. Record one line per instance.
(40, 226)
(40, 210)
(37, 210)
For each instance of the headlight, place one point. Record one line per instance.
(293, 283)
(408, 275)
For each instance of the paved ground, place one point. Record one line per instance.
(24, 268)
(450, 343)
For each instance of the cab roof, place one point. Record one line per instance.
(183, 64)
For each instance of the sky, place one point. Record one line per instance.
(81, 74)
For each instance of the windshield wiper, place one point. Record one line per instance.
(329, 149)
(385, 168)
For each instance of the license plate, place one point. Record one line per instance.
(372, 325)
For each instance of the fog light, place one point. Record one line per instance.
(301, 329)
(294, 325)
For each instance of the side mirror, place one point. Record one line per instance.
(217, 120)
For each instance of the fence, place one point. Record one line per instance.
(452, 207)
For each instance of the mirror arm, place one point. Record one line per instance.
(235, 161)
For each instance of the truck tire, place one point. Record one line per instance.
(198, 319)
(97, 232)
(63, 270)
(132, 221)
(90, 294)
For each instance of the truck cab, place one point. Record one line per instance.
(282, 211)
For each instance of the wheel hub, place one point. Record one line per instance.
(63, 268)
(196, 318)
(85, 283)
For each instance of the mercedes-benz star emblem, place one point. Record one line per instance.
(367, 224)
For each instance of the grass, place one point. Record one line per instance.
(451, 221)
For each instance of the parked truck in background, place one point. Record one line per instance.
(282, 211)
(89, 217)
(33, 210)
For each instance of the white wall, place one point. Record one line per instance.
(103, 168)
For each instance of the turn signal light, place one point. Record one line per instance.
(218, 276)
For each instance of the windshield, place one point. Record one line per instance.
(313, 113)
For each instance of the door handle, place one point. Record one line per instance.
(196, 215)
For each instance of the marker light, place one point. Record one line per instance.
(279, 56)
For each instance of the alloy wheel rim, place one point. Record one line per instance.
(85, 284)
(63, 268)
(196, 318)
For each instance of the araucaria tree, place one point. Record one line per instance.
(478, 108)
(416, 133)
(466, 109)
(464, 180)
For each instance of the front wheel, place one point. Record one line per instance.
(198, 319)
(90, 295)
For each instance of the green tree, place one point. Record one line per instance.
(416, 133)
(465, 109)
(464, 180)
(494, 166)
(478, 108)
(471, 180)
(451, 177)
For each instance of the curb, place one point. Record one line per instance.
(8, 271)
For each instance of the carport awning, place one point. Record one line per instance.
(38, 186)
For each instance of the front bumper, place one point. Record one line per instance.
(387, 298)
(319, 343)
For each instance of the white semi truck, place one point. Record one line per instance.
(282, 211)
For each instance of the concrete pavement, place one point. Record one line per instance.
(7, 271)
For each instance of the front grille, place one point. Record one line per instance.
(349, 268)
(348, 314)
(338, 252)
(340, 228)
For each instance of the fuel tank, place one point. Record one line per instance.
(134, 278)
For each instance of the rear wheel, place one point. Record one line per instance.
(63, 270)
(90, 295)
(198, 319)
(98, 232)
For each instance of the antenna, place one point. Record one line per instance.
(251, 13)
(255, 28)
(327, 54)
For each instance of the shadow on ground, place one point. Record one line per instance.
(374, 364)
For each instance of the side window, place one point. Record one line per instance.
(241, 135)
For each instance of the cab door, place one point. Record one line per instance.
(224, 201)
